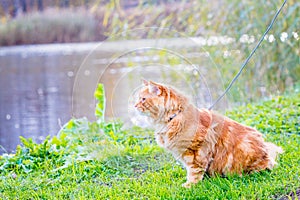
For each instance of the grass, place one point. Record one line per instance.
(100, 160)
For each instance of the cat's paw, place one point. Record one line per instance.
(187, 184)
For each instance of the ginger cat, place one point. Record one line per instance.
(203, 140)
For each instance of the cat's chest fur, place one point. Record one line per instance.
(173, 138)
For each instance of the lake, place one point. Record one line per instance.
(44, 86)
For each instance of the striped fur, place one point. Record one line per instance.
(203, 140)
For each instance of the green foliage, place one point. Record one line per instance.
(79, 140)
(30, 156)
(100, 107)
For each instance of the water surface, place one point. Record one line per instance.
(44, 86)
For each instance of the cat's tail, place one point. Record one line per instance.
(273, 151)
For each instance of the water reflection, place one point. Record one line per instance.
(43, 87)
(34, 94)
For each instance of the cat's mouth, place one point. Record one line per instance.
(141, 110)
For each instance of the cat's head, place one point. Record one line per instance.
(159, 101)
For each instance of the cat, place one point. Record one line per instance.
(203, 140)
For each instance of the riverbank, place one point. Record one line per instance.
(111, 46)
(101, 160)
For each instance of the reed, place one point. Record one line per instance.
(51, 26)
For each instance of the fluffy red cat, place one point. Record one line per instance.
(203, 140)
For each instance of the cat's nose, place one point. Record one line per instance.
(136, 105)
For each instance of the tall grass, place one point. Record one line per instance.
(51, 26)
(275, 66)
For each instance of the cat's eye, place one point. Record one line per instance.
(143, 99)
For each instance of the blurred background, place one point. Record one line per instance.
(54, 53)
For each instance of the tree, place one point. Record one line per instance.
(15, 8)
(24, 5)
(65, 3)
(40, 5)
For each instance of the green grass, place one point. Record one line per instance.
(100, 160)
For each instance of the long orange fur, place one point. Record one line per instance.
(203, 140)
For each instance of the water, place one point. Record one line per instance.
(44, 86)
(35, 95)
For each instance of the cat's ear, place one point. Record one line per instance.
(145, 82)
(154, 88)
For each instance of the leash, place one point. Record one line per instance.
(248, 58)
